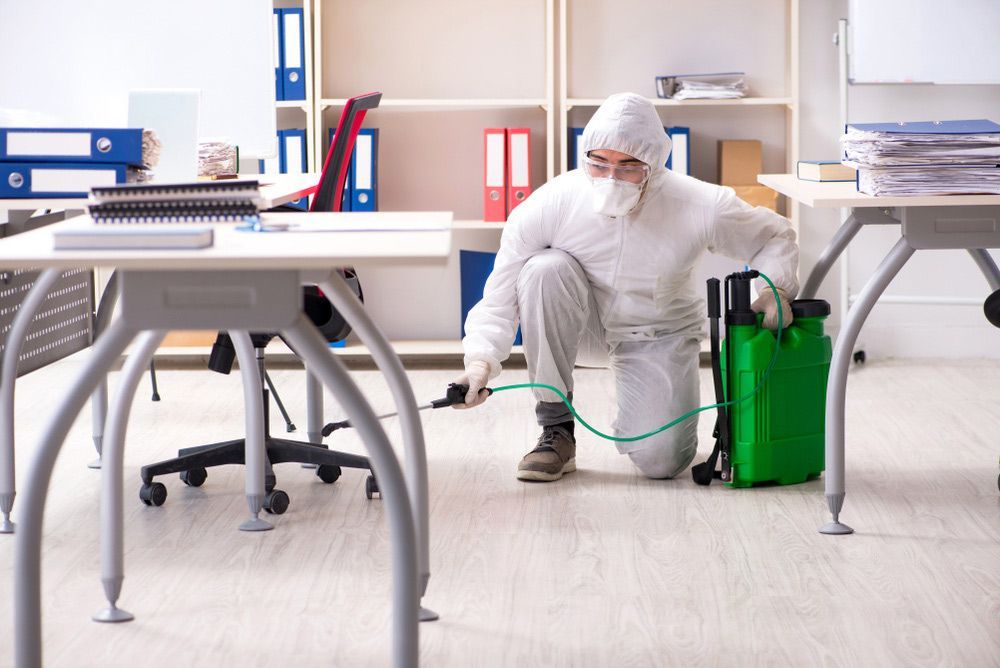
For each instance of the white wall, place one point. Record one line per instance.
(892, 329)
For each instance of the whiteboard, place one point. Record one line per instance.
(924, 41)
(71, 63)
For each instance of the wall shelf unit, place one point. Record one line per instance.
(542, 64)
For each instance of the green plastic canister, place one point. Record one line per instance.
(777, 435)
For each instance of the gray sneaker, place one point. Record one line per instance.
(554, 455)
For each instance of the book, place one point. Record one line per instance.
(155, 236)
(825, 170)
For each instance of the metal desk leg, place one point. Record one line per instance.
(314, 409)
(836, 392)
(837, 244)
(99, 400)
(985, 262)
(345, 301)
(305, 338)
(8, 378)
(112, 523)
(254, 454)
(28, 547)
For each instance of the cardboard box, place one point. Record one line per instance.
(739, 162)
(184, 338)
(758, 196)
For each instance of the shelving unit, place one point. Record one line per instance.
(542, 64)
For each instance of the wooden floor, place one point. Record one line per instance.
(601, 569)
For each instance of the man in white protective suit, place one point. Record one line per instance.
(597, 265)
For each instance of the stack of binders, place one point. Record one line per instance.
(506, 171)
(361, 186)
(49, 162)
(924, 158)
(289, 55)
(679, 159)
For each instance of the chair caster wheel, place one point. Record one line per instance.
(371, 487)
(270, 481)
(194, 477)
(328, 473)
(276, 502)
(153, 493)
(860, 357)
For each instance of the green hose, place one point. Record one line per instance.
(627, 439)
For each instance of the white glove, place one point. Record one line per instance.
(476, 375)
(767, 304)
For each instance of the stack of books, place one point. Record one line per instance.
(925, 158)
(157, 215)
(67, 162)
(207, 201)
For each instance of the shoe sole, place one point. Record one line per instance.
(542, 476)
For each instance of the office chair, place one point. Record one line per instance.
(192, 462)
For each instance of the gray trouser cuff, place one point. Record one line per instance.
(549, 413)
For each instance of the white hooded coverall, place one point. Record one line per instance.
(619, 292)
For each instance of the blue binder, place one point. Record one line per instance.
(106, 145)
(293, 54)
(474, 268)
(977, 126)
(681, 139)
(345, 201)
(573, 147)
(19, 180)
(279, 55)
(364, 164)
(292, 157)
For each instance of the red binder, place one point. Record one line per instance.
(518, 166)
(495, 174)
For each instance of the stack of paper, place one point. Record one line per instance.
(925, 158)
(716, 86)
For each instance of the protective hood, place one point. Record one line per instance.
(628, 123)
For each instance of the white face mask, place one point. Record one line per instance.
(615, 198)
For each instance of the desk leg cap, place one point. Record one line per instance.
(113, 615)
(256, 524)
(835, 529)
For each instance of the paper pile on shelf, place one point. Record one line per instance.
(718, 86)
(925, 158)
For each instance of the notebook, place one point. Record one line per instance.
(155, 236)
(210, 201)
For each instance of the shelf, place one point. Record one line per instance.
(470, 103)
(660, 102)
(476, 225)
(277, 351)
(292, 104)
(449, 350)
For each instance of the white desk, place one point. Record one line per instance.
(970, 222)
(245, 281)
(275, 190)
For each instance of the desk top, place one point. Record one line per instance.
(835, 194)
(235, 249)
(275, 190)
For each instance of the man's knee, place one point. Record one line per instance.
(664, 459)
(550, 265)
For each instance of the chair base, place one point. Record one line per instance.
(279, 451)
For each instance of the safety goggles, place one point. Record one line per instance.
(631, 173)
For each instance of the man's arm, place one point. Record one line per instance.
(758, 236)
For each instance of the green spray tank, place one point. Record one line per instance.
(775, 436)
